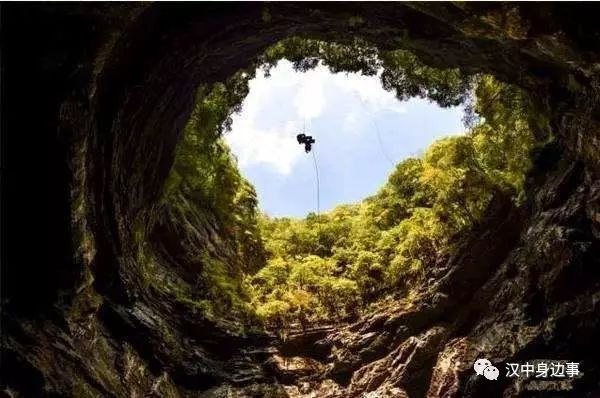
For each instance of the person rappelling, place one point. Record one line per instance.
(307, 140)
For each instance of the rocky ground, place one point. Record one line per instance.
(527, 296)
(94, 100)
(531, 295)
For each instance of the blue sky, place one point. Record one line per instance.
(358, 126)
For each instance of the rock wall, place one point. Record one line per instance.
(94, 99)
(523, 286)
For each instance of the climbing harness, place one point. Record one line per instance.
(307, 140)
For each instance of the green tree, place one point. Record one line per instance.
(408, 77)
(326, 267)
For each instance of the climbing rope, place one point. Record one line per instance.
(308, 141)
(378, 133)
(318, 188)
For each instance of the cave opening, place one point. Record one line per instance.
(362, 132)
(297, 271)
(134, 285)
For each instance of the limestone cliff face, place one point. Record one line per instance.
(523, 286)
(94, 100)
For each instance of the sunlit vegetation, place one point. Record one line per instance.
(400, 71)
(204, 180)
(205, 171)
(385, 245)
(329, 267)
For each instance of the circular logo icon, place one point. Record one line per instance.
(480, 365)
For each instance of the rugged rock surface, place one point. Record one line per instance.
(94, 99)
(525, 297)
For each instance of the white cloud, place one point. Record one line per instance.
(368, 90)
(350, 122)
(310, 99)
(277, 146)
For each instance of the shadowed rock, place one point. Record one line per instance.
(95, 97)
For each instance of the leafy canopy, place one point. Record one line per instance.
(357, 254)
(327, 267)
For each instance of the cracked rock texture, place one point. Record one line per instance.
(94, 100)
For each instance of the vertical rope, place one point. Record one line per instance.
(381, 147)
(316, 172)
(318, 183)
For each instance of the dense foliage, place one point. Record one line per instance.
(205, 172)
(324, 267)
(205, 187)
(328, 267)
(399, 70)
